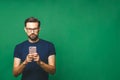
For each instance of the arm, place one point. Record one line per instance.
(18, 67)
(50, 67)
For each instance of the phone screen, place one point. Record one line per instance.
(32, 49)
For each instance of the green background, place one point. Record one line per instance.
(86, 34)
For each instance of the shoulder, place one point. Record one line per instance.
(46, 42)
(22, 43)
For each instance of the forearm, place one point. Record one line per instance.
(18, 70)
(48, 68)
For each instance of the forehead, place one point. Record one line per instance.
(32, 24)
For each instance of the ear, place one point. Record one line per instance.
(25, 29)
(39, 28)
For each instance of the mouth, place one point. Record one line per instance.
(33, 36)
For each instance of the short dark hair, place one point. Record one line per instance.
(32, 19)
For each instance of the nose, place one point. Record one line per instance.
(32, 31)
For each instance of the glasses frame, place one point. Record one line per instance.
(32, 29)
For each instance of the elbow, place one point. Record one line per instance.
(15, 74)
(53, 71)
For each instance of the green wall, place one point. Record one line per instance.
(86, 34)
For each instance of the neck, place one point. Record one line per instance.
(31, 41)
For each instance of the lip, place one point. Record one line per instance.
(32, 34)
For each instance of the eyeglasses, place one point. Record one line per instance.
(32, 29)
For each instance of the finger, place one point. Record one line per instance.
(35, 53)
(30, 57)
(30, 54)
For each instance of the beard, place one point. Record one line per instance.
(33, 37)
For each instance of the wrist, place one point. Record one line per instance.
(25, 62)
(39, 62)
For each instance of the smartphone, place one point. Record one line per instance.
(32, 49)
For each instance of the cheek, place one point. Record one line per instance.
(28, 33)
(36, 33)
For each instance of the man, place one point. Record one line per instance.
(35, 57)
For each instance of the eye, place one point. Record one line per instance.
(30, 29)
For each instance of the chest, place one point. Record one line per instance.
(42, 50)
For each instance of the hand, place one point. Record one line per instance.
(36, 57)
(29, 58)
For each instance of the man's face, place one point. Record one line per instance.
(32, 30)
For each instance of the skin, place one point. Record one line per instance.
(32, 31)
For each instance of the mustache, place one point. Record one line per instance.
(32, 34)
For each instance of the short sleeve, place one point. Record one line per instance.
(52, 49)
(17, 52)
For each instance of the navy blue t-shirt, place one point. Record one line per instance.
(32, 70)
